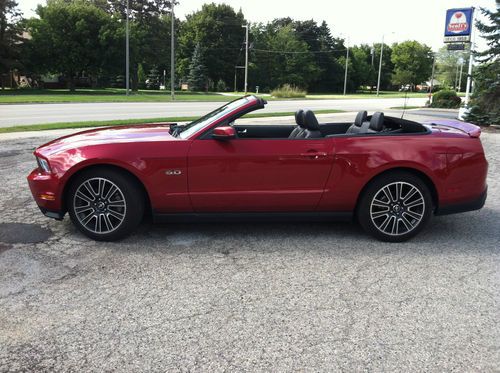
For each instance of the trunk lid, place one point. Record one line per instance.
(454, 125)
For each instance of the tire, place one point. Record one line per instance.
(392, 219)
(105, 204)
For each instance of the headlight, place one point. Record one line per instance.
(43, 164)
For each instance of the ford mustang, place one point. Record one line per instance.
(390, 174)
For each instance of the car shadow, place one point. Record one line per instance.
(468, 232)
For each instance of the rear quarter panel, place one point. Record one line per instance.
(454, 163)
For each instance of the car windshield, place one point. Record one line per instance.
(193, 127)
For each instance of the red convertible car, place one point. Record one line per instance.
(390, 174)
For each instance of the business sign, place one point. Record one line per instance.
(458, 25)
(456, 47)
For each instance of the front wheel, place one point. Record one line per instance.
(105, 204)
(395, 207)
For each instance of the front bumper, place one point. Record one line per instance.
(472, 205)
(45, 189)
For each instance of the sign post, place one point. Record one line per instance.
(458, 29)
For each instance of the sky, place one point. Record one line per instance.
(360, 21)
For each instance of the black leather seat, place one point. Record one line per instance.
(299, 130)
(376, 122)
(312, 126)
(358, 122)
(375, 125)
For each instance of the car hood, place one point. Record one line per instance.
(108, 135)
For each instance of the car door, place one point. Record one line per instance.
(252, 175)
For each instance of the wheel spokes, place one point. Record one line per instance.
(397, 208)
(99, 205)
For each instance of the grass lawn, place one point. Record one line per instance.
(383, 94)
(53, 126)
(102, 95)
(18, 96)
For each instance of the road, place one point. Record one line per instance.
(245, 297)
(12, 115)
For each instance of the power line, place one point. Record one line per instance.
(297, 52)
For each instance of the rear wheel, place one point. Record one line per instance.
(395, 207)
(105, 204)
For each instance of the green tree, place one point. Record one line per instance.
(412, 62)
(149, 33)
(10, 38)
(153, 81)
(218, 28)
(325, 51)
(280, 57)
(197, 78)
(448, 67)
(490, 32)
(141, 75)
(69, 38)
(485, 102)
(361, 71)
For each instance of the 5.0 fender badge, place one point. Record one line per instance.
(173, 172)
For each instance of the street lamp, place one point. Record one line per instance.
(380, 64)
(246, 57)
(172, 54)
(127, 55)
(346, 38)
(346, 65)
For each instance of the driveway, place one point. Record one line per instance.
(246, 297)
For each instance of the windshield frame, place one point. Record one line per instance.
(200, 125)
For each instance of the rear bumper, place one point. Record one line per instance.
(472, 205)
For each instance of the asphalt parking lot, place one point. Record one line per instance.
(246, 297)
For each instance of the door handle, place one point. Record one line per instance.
(314, 155)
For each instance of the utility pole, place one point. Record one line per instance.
(346, 66)
(246, 57)
(380, 65)
(127, 54)
(460, 76)
(235, 78)
(469, 71)
(172, 54)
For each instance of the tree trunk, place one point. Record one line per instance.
(93, 81)
(71, 83)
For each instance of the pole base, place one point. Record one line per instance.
(462, 112)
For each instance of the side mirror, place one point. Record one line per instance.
(224, 133)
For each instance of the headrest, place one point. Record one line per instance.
(299, 118)
(377, 121)
(310, 121)
(360, 118)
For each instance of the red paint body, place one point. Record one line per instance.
(256, 175)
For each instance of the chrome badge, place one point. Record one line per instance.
(173, 172)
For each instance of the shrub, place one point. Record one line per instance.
(485, 101)
(288, 91)
(221, 86)
(446, 98)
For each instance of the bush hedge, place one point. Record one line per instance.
(446, 98)
(288, 91)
